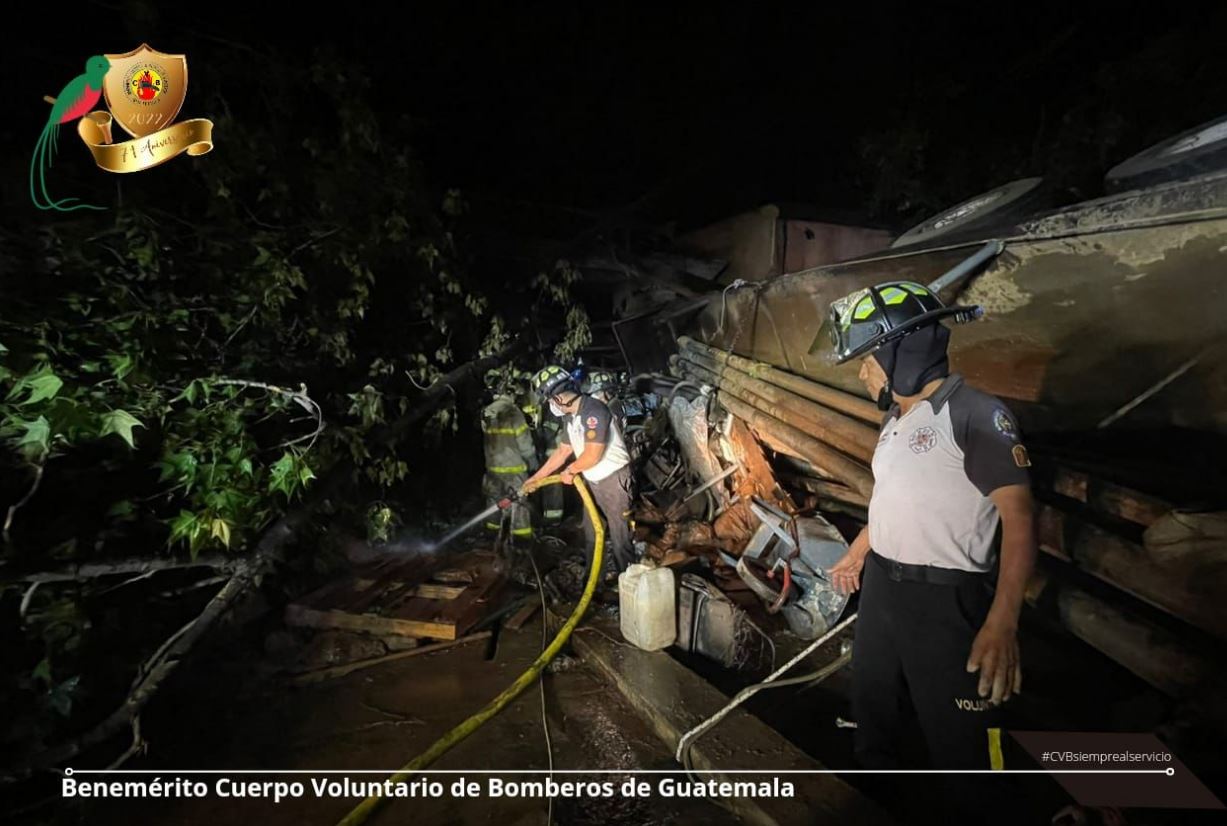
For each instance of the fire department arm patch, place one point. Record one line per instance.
(1005, 425)
(991, 441)
(595, 419)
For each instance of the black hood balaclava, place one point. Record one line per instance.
(912, 362)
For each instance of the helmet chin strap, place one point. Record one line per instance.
(885, 398)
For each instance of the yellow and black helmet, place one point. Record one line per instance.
(552, 380)
(865, 320)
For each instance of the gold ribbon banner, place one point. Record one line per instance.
(195, 137)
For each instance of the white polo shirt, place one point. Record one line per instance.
(594, 423)
(934, 469)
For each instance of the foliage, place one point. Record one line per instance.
(197, 359)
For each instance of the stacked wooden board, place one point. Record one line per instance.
(406, 596)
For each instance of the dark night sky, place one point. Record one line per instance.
(690, 112)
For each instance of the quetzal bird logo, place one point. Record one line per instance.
(74, 102)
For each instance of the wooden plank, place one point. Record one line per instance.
(1070, 483)
(459, 614)
(455, 576)
(431, 590)
(1189, 588)
(355, 592)
(304, 617)
(757, 478)
(360, 594)
(464, 612)
(405, 573)
(389, 598)
(1109, 497)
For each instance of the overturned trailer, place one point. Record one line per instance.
(1103, 330)
(1087, 309)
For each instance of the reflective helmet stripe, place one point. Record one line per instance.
(893, 295)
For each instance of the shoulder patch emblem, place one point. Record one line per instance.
(1003, 424)
(922, 439)
(591, 421)
(591, 434)
(1020, 456)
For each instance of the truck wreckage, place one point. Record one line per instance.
(752, 456)
(752, 450)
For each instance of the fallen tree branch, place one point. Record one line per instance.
(26, 599)
(92, 570)
(138, 745)
(248, 572)
(13, 508)
(300, 398)
(174, 593)
(152, 674)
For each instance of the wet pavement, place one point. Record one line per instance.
(382, 717)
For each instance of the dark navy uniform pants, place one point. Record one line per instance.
(612, 496)
(910, 660)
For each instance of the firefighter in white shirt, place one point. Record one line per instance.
(594, 448)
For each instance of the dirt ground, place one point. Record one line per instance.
(383, 716)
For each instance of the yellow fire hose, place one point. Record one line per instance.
(367, 807)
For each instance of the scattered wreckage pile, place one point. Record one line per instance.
(1125, 571)
(751, 479)
(711, 505)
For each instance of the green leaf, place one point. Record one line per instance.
(178, 466)
(281, 475)
(42, 671)
(246, 468)
(120, 422)
(37, 439)
(122, 509)
(182, 526)
(121, 365)
(43, 386)
(199, 536)
(220, 529)
(190, 392)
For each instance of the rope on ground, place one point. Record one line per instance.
(545, 722)
(772, 681)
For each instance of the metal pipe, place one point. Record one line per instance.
(843, 432)
(831, 397)
(825, 458)
(669, 399)
(990, 250)
(724, 474)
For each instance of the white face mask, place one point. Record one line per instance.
(556, 410)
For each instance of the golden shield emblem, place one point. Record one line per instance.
(145, 89)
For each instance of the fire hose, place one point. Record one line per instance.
(367, 807)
